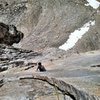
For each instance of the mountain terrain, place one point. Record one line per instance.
(42, 26)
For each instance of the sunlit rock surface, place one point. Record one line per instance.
(74, 69)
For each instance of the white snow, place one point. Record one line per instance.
(76, 35)
(93, 3)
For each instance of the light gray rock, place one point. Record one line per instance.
(65, 88)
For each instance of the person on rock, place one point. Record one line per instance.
(40, 67)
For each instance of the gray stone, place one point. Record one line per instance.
(16, 57)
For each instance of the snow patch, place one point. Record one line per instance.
(76, 35)
(93, 3)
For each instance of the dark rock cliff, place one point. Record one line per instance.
(9, 34)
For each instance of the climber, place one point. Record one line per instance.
(41, 67)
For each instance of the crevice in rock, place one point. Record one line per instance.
(1, 82)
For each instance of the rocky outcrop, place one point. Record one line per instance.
(14, 57)
(98, 0)
(65, 88)
(9, 34)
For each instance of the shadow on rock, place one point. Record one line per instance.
(9, 34)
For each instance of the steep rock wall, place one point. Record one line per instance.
(45, 23)
(57, 20)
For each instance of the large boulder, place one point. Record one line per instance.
(9, 34)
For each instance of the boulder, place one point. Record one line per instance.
(9, 34)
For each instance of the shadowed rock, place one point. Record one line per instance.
(1, 82)
(9, 34)
(3, 69)
(95, 66)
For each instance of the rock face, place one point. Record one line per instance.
(46, 23)
(41, 87)
(91, 39)
(49, 23)
(64, 88)
(56, 21)
(76, 70)
(13, 57)
(9, 34)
